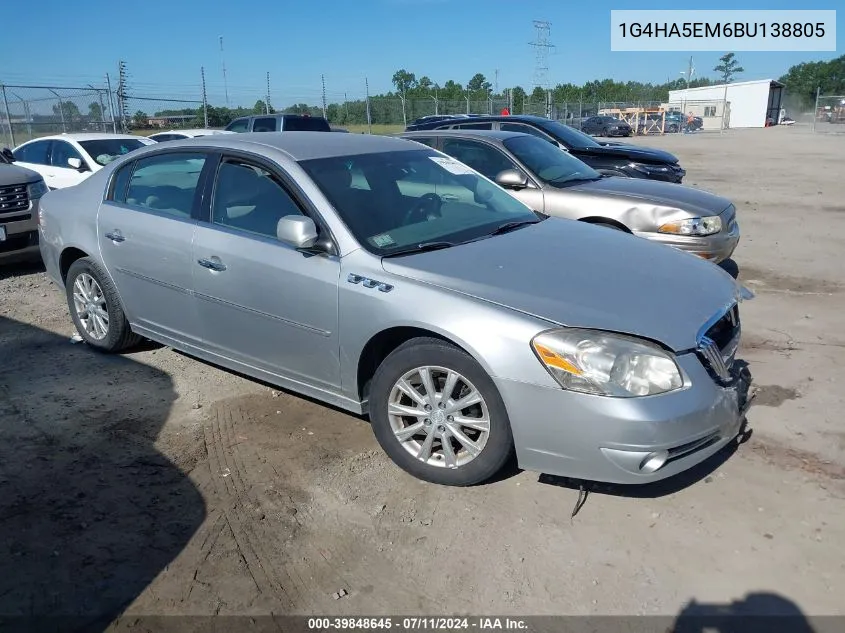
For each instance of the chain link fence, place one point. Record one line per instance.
(27, 112)
(829, 114)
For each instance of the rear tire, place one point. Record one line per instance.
(96, 309)
(447, 445)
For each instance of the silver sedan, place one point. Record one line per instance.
(389, 279)
(556, 183)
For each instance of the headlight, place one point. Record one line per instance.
(650, 169)
(697, 227)
(606, 364)
(37, 189)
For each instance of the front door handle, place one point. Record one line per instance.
(449, 197)
(212, 264)
(115, 236)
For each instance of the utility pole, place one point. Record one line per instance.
(369, 122)
(346, 107)
(204, 98)
(111, 105)
(323, 80)
(122, 105)
(223, 62)
(542, 47)
(267, 103)
(496, 82)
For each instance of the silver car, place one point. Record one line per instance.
(556, 183)
(384, 277)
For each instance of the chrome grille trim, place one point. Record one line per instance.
(13, 198)
(713, 356)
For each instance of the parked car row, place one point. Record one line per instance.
(388, 276)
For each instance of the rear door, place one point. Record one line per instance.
(145, 229)
(260, 301)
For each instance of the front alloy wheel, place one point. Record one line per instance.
(439, 416)
(437, 413)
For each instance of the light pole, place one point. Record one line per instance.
(61, 109)
(436, 104)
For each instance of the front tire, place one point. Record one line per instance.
(438, 414)
(96, 309)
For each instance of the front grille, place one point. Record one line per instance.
(13, 198)
(20, 217)
(717, 347)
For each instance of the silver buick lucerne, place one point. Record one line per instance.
(387, 278)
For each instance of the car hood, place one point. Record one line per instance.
(571, 273)
(655, 193)
(15, 175)
(632, 152)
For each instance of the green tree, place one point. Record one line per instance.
(67, 109)
(538, 95)
(140, 119)
(803, 79)
(518, 99)
(404, 81)
(95, 111)
(260, 107)
(478, 83)
(729, 67)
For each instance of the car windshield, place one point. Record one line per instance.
(567, 135)
(400, 201)
(104, 151)
(549, 163)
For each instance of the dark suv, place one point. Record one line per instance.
(279, 123)
(612, 158)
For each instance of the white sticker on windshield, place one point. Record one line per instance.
(382, 240)
(452, 166)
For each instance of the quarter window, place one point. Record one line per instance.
(474, 126)
(35, 153)
(119, 181)
(249, 198)
(166, 183)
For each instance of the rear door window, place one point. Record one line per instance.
(238, 125)
(265, 124)
(306, 124)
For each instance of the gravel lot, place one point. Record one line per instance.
(155, 483)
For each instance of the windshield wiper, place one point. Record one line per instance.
(421, 248)
(511, 226)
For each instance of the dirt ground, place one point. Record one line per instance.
(156, 484)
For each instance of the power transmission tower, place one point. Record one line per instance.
(542, 31)
(122, 105)
(267, 103)
(323, 80)
(223, 62)
(496, 82)
(204, 98)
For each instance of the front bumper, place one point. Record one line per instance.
(716, 248)
(559, 432)
(20, 229)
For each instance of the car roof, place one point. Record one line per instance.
(193, 131)
(482, 134)
(523, 118)
(85, 136)
(305, 145)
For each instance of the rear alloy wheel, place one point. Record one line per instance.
(95, 308)
(438, 415)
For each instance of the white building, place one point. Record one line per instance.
(744, 104)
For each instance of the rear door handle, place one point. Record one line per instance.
(115, 236)
(212, 264)
(450, 197)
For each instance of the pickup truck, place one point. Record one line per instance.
(279, 123)
(20, 191)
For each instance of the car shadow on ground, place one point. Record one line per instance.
(19, 268)
(90, 511)
(762, 612)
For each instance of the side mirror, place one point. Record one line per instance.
(512, 179)
(297, 230)
(75, 163)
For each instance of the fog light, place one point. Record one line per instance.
(653, 461)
